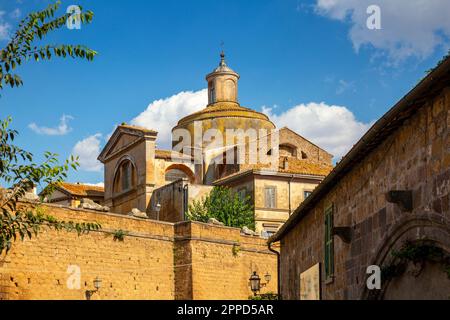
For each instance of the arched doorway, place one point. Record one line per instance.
(414, 257)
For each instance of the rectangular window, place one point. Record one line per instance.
(329, 244)
(270, 197)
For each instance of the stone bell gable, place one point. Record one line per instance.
(128, 158)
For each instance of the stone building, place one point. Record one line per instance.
(162, 183)
(145, 248)
(386, 205)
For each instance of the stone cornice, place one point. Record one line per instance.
(141, 134)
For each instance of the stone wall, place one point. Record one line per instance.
(223, 261)
(267, 219)
(415, 157)
(171, 199)
(155, 260)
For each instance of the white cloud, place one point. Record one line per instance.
(100, 184)
(88, 151)
(410, 28)
(344, 86)
(162, 115)
(5, 27)
(16, 13)
(61, 130)
(333, 128)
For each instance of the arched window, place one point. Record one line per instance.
(125, 178)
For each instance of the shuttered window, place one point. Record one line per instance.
(271, 197)
(329, 243)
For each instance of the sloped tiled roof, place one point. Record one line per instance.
(294, 166)
(223, 109)
(299, 166)
(82, 190)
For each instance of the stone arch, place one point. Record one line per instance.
(288, 150)
(182, 168)
(119, 170)
(411, 227)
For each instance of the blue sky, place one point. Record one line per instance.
(299, 61)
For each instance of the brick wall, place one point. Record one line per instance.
(156, 260)
(171, 199)
(415, 157)
(223, 261)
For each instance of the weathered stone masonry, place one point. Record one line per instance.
(415, 156)
(156, 260)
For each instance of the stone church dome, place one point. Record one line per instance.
(223, 110)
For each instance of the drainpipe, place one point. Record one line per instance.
(269, 245)
(185, 201)
(289, 184)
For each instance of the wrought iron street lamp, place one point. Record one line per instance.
(97, 286)
(255, 282)
(158, 210)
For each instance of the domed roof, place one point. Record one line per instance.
(222, 103)
(224, 109)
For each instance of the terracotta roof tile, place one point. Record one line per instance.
(82, 190)
(297, 166)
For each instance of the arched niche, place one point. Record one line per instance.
(426, 281)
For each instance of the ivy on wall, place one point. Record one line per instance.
(265, 296)
(417, 252)
(119, 235)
